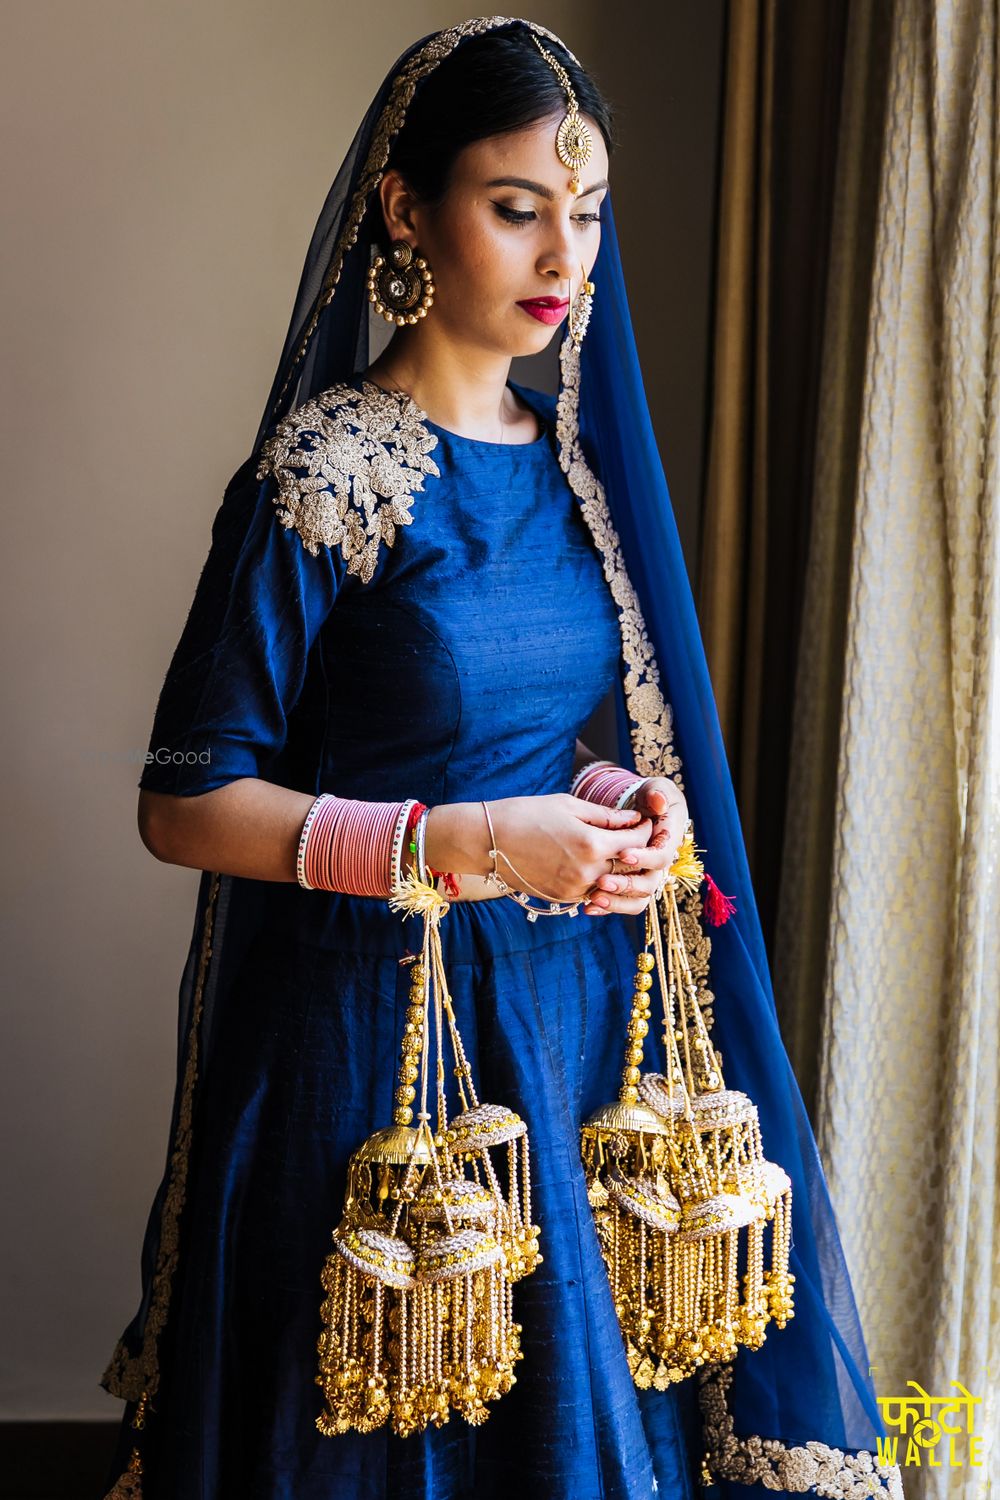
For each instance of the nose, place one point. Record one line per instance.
(561, 260)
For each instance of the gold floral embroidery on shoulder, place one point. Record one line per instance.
(812, 1469)
(348, 463)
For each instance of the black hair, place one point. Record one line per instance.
(489, 85)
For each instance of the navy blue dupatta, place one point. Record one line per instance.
(809, 1382)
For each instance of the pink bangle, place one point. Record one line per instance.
(603, 782)
(585, 769)
(352, 846)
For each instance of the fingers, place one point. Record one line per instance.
(607, 817)
(621, 893)
(614, 843)
(601, 905)
(649, 856)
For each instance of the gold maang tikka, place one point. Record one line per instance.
(574, 143)
(574, 147)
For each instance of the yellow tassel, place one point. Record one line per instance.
(414, 897)
(687, 868)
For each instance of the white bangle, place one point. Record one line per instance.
(631, 791)
(396, 856)
(300, 858)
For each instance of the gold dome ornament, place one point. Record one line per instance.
(677, 1179)
(402, 287)
(418, 1316)
(574, 142)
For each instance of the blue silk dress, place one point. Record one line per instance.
(463, 668)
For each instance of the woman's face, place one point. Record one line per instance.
(508, 230)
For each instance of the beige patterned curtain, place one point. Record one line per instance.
(890, 895)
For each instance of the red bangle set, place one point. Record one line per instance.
(604, 783)
(357, 847)
(351, 845)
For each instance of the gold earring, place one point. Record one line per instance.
(579, 313)
(402, 288)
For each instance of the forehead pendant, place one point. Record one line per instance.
(574, 143)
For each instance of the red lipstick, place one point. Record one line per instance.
(546, 309)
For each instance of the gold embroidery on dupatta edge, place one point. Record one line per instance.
(812, 1469)
(390, 122)
(128, 1376)
(363, 454)
(651, 715)
(815, 1467)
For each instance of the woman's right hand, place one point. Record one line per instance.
(556, 843)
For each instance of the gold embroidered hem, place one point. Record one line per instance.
(364, 454)
(812, 1469)
(127, 1375)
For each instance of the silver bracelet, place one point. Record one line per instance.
(420, 841)
(555, 908)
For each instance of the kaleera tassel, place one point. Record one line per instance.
(129, 1484)
(678, 1183)
(718, 908)
(689, 871)
(418, 1317)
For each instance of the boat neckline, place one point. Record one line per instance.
(524, 392)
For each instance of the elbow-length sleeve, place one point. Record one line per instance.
(240, 663)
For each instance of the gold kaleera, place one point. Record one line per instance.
(418, 1317)
(676, 1178)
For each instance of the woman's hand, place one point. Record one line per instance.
(664, 805)
(556, 843)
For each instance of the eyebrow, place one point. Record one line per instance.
(540, 188)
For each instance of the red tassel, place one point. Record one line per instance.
(718, 908)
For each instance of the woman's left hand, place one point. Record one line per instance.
(660, 799)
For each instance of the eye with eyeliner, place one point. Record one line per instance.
(524, 216)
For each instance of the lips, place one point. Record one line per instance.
(545, 309)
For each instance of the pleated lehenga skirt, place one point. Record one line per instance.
(302, 1069)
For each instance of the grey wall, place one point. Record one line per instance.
(164, 167)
